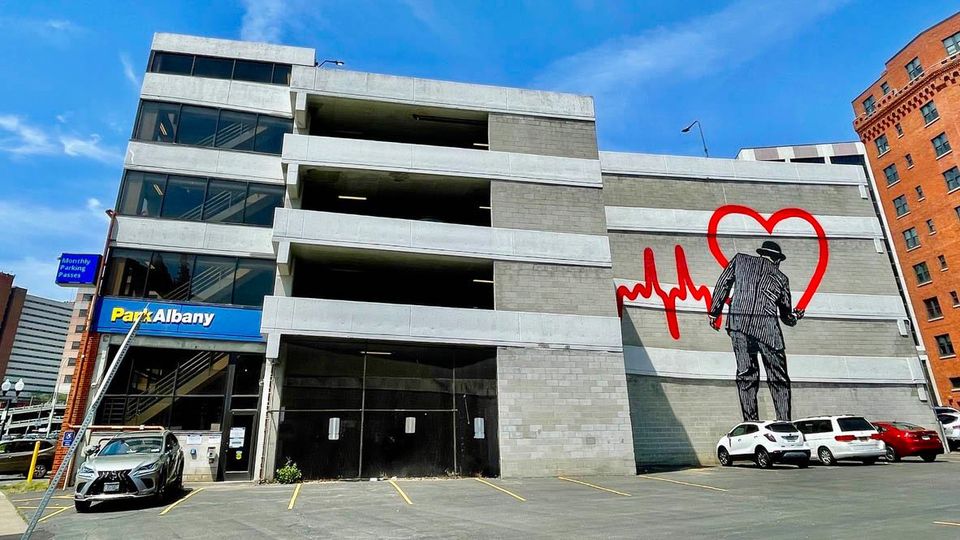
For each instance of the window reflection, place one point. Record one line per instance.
(157, 121)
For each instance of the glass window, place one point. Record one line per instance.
(891, 173)
(882, 144)
(909, 159)
(952, 44)
(782, 427)
(262, 200)
(955, 298)
(933, 308)
(885, 88)
(127, 273)
(225, 202)
(202, 373)
(911, 238)
(142, 194)
(854, 424)
(942, 259)
(197, 413)
(899, 129)
(868, 105)
(236, 130)
(170, 275)
(944, 345)
(922, 273)
(900, 205)
(254, 281)
(914, 69)
(940, 144)
(213, 279)
(215, 68)
(919, 191)
(157, 121)
(165, 62)
(281, 74)
(955, 383)
(270, 132)
(929, 112)
(248, 70)
(930, 227)
(952, 177)
(184, 198)
(197, 126)
(246, 374)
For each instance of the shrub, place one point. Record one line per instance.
(288, 474)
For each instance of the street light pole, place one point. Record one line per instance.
(702, 140)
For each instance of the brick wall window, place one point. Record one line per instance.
(930, 227)
(955, 298)
(922, 273)
(83, 312)
(909, 159)
(900, 205)
(914, 69)
(882, 144)
(940, 144)
(891, 173)
(899, 129)
(71, 361)
(919, 191)
(952, 177)
(929, 112)
(67, 379)
(952, 44)
(869, 105)
(942, 260)
(86, 298)
(80, 328)
(911, 237)
(944, 345)
(955, 384)
(75, 345)
(885, 88)
(933, 308)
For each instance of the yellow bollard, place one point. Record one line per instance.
(33, 462)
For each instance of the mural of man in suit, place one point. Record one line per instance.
(761, 299)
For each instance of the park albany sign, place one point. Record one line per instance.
(161, 316)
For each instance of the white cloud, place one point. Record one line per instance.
(684, 51)
(19, 138)
(61, 25)
(129, 72)
(263, 20)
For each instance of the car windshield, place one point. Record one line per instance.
(132, 445)
(903, 426)
(854, 424)
(782, 427)
(947, 418)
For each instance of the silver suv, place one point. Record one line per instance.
(130, 465)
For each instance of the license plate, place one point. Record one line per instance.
(111, 487)
(925, 437)
(864, 439)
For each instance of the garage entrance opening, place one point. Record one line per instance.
(375, 410)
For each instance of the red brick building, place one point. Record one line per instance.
(908, 120)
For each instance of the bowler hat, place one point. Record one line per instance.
(772, 250)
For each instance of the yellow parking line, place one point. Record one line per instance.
(498, 488)
(679, 482)
(952, 524)
(400, 491)
(44, 518)
(601, 488)
(293, 500)
(39, 498)
(172, 506)
(34, 507)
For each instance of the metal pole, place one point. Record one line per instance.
(87, 420)
(702, 140)
(33, 462)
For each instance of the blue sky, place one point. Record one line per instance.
(755, 73)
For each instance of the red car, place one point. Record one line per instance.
(903, 439)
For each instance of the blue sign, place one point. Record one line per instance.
(170, 319)
(78, 269)
(68, 438)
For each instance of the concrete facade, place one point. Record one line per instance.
(38, 344)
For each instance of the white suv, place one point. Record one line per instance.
(834, 438)
(765, 443)
(951, 428)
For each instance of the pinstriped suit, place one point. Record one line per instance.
(761, 299)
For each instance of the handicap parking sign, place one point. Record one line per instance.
(68, 439)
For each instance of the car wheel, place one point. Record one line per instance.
(826, 456)
(762, 458)
(929, 457)
(869, 461)
(161, 493)
(178, 482)
(892, 454)
(723, 456)
(82, 506)
(40, 470)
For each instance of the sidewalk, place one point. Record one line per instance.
(10, 521)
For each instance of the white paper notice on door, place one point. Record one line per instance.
(236, 437)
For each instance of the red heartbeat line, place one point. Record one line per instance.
(651, 285)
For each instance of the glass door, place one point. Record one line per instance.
(236, 454)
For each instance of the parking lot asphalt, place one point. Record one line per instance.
(910, 499)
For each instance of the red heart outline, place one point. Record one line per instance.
(769, 224)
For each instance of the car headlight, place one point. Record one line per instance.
(148, 468)
(85, 469)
